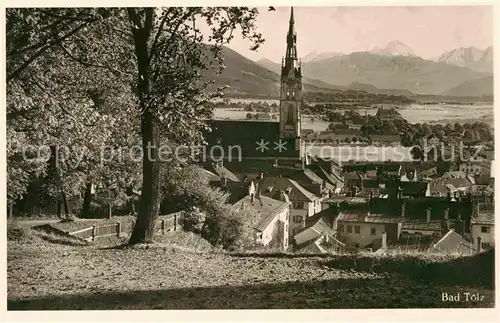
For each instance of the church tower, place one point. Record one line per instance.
(291, 90)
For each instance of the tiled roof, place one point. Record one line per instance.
(271, 186)
(346, 199)
(351, 176)
(365, 216)
(434, 225)
(453, 242)
(266, 208)
(484, 218)
(245, 134)
(223, 172)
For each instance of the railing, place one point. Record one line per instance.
(167, 223)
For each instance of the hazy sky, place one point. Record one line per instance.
(427, 30)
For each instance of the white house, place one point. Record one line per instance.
(271, 218)
(483, 228)
(303, 203)
(362, 229)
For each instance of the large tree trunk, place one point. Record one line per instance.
(87, 199)
(11, 209)
(66, 206)
(110, 211)
(149, 202)
(59, 208)
(148, 208)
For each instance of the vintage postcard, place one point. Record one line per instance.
(271, 157)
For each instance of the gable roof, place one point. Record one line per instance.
(487, 218)
(266, 208)
(246, 134)
(271, 187)
(223, 172)
(452, 242)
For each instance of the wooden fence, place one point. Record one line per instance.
(166, 223)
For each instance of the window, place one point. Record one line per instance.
(293, 93)
(357, 229)
(372, 231)
(297, 219)
(341, 228)
(298, 205)
(289, 119)
(485, 245)
(485, 229)
(381, 185)
(349, 229)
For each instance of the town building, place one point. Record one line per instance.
(303, 203)
(270, 218)
(483, 229)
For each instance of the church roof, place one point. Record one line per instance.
(243, 138)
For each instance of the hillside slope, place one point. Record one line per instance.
(477, 87)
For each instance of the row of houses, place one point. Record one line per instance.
(322, 208)
(335, 138)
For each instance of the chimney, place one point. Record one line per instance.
(284, 197)
(403, 209)
(261, 175)
(428, 214)
(251, 191)
(446, 211)
(478, 248)
(384, 240)
(224, 182)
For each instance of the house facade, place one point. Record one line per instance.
(270, 218)
(303, 203)
(483, 228)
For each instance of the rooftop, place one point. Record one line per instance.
(265, 207)
(271, 187)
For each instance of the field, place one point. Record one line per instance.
(182, 271)
(414, 114)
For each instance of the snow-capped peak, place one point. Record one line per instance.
(394, 48)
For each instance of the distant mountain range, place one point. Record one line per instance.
(470, 57)
(393, 69)
(394, 48)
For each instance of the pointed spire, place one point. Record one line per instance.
(291, 44)
(291, 18)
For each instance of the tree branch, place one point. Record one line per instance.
(42, 50)
(92, 64)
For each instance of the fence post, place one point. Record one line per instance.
(94, 232)
(163, 226)
(175, 222)
(118, 229)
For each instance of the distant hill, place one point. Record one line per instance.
(243, 76)
(409, 73)
(477, 87)
(470, 57)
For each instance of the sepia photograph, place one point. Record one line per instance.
(272, 157)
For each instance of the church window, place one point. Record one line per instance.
(293, 94)
(289, 118)
(287, 94)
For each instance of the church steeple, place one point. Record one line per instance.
(291, 44)
(291, 88)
